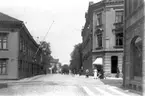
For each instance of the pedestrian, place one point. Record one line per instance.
(87, 73)
(99, 74)
(118, 72)
(80, 72)
(95, 73)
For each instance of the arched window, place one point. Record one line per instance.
(136, 57)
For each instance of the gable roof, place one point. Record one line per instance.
(4, 17)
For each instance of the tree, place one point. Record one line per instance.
(76, 59)
(46, 55)
(65, 69)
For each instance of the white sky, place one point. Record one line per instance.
(68, 16)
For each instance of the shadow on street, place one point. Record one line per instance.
(112, 82)
(3, 85)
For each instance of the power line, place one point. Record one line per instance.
(44, 37)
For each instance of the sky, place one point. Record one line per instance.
(38, 15)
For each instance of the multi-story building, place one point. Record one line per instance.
(103, 36)
(133, 45)
(108, 36)
(17, 50)
(87, 41)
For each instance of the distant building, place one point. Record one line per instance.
(134, 35)
(103, 37)
(53, 65)
(17, 50)
(58, 67)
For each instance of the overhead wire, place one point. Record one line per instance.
(44, 38)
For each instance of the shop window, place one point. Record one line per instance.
(114, 64)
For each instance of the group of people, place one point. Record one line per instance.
(97, 73)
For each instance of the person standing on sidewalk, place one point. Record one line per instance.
(95, 73)
(87, 73)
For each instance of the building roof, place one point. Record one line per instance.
(4, 17)
(13, 22)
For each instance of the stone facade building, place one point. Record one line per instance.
(17, 50)
(104, 36)
(134, 44)
(108, 35)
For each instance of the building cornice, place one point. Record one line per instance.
(108, 50)
(114, 2)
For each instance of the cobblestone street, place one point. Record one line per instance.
(64, 85)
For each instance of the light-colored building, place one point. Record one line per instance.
(108, 36)
(17, 50)
(103, 37)
(134, 54)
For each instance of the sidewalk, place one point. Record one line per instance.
(4, 83)
(110, 81)
(116, 82)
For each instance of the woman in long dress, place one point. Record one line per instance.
(95, 73)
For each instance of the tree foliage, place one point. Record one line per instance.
(76, 58)
(65, 69)
(45, 47)
(46, 54)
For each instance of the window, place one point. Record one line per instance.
(20, 65)
(3, 64)
(21, 44)
(119, 17)
(99, 38)
(99, 19)
(3, 41)
(119, 39)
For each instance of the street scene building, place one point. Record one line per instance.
(103, 37)
(133, 68)
(107, 61)
(17, 50)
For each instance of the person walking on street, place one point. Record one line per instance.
(87, 73)
(95, 73)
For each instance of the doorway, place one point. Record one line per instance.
(114, 64)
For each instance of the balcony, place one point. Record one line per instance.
(118, 46)
(118, 27)
(99, 48)
(98, 26)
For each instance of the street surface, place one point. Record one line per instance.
(64, 85)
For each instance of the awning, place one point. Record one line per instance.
(98, 61)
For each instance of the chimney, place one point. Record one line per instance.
(91, 3)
